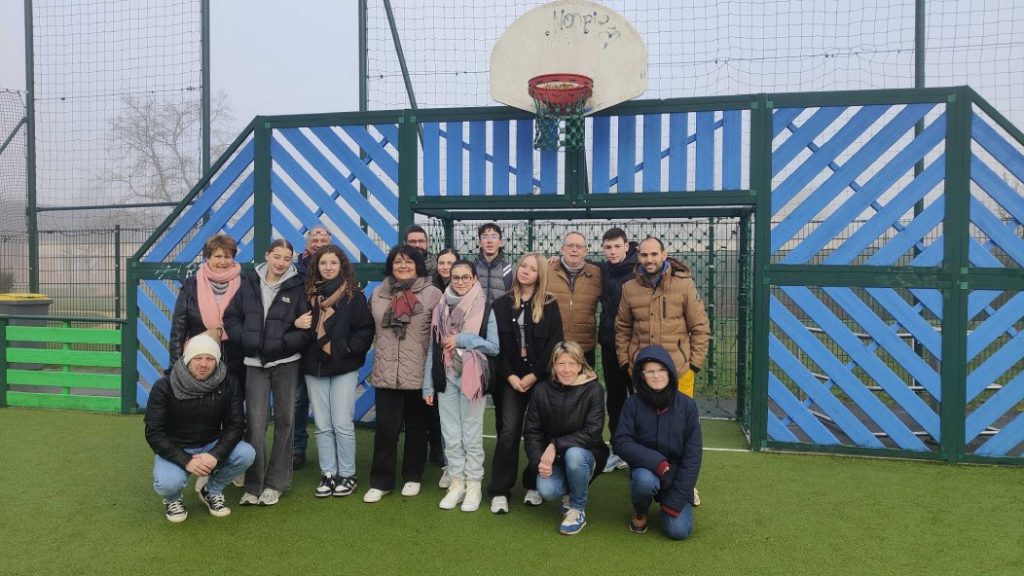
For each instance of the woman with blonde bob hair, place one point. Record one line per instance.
(529, 326)
(563, 433)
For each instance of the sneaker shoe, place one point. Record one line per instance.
(215, 504)
(411, 489)
(446, 479)
(175, 510)
(532, 498)
(326, 487)
(499, 505)
(638, 523)
(239, 481)
(456, 492)
(696, 497)
(249, 500)
(615, 463)
(471, 503)
(346, 486)
(269, 497)
(564, 508)
(573, 522)
(374, 495)
(201, 483)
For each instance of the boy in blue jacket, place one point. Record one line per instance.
(659, 437)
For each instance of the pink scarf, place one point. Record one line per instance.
(465, 316)
(209, 309)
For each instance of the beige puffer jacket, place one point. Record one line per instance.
(670, 315)
(398, 364)
(578, 309)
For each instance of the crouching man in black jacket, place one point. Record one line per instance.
(194, 423)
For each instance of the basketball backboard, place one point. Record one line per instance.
(570, 36)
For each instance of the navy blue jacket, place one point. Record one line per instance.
(645, 436)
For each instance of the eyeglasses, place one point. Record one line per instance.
(574, 246)
(490, 237)
(461, 279)
(655, 372)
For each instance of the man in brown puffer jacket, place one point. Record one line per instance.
(576, 285)
(661, 306)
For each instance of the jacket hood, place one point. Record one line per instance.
(261, 272)
(658, 354)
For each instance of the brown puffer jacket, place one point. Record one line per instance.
(670, 315)
(578, 308)
(398, 364)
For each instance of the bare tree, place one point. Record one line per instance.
(158, 142)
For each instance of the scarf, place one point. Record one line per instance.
(658, 399)
(211, 311)
(184, 385)
(456, 315)
(322, 298)
(403, 305)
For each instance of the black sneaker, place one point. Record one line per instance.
(175, 510)
(214, 503)
(346, 486)
(326, 487)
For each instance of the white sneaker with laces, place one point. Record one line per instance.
(411, 489)
(269, 497)
(456, 492)
(471, 503)
(614, 463)
(499, 505)
(374, 495)
(175, 510)
(532, 498)
(249, 500)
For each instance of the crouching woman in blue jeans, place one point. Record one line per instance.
(563, 434)
(659, 437)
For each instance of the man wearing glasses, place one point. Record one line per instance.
(576, 285)
(493, 271)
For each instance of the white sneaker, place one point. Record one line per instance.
(446, 479)
(374, 495)
(239, 482)
(456, 492)
(471, 503)
(249, 500)
(614, 463)
(499, 505)
(532, 498)
(201, 482)
(696, 497)
(269, 497)
(411, 489)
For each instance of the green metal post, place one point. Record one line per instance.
(760, 186)
(449, 231)
(531, 235)
(956, 236)
(262, 227)
(30, 135)
(3, 362)
(364, 97)
(709, 362)
(407, 168)
(204, 8)
(919, 82)
(129, 343)
(743, 312)
(117, 271)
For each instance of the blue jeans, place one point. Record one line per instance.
(574, 474)
(169, 479)
(334, 401)
(643, 488)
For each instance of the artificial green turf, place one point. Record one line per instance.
(77, 499)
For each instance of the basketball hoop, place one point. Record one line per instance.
(560, 99)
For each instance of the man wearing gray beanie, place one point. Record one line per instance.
(194, 424)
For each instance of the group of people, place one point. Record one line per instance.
(447, 332)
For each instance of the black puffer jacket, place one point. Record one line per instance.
(351, 332)
(173, 425)
(540, 338)
(566, 416)
(187, 322)
(613, 276)
(276, 337)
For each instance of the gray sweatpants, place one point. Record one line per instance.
(260, 383)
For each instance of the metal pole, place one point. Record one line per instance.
(401, 54)
(743, 299)
(30, 115)
(117, 271)
(712, 279)
(919, 82)
(205, 106)
(364, 58)
(10, 137)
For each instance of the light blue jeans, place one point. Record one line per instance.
(462, 425)
(573, 475)
(644, 486)
(333, 399)
(169, 479)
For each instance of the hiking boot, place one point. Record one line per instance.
(345, 486)
(638, 523)
(532, 498)
(214, 503)
(326, 487)
(175, 510)
(499, 505)
(573, 522)
(456, 492)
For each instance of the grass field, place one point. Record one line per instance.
(77, 499)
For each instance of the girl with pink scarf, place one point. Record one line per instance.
(463, 335)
